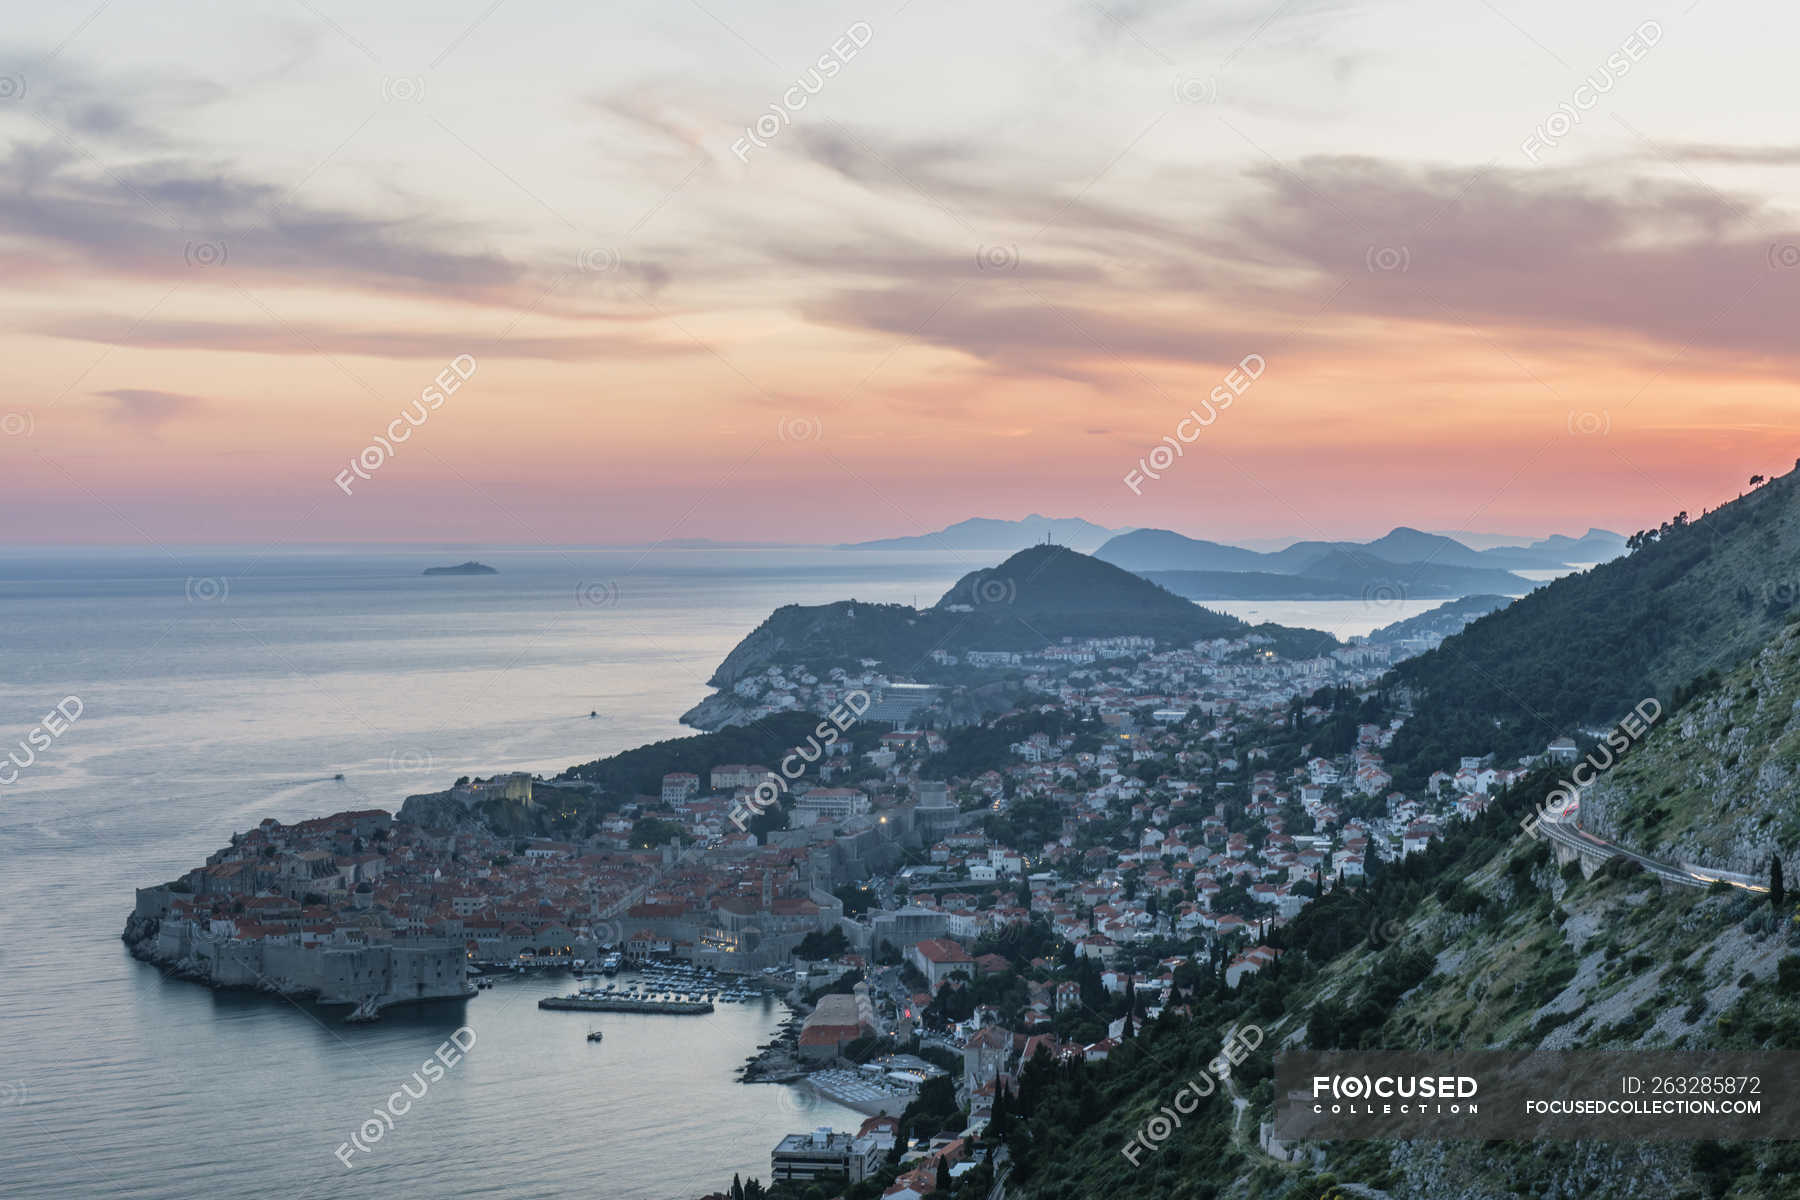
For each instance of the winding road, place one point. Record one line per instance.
(1564, 828)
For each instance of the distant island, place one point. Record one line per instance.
(469, 568)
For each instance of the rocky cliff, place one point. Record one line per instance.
(1718, 784)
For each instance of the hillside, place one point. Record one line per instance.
(1578, 652)
(1718, 787)
(1481, 942)
(1443, 620)
(1034, 597)
(1039, 594)
(1051, 592)
(1076, 594)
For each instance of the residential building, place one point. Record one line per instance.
(803, 1157)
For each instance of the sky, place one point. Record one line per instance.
(820, 272)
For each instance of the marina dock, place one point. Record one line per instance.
(626, 1004)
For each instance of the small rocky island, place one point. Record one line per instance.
(469, 568)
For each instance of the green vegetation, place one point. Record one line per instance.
(1446, 618)
(1037, 596)
(816, 946)
(1496, 946)
(650, 832)
(1583, 650)
(1721, 794)
(639, 771)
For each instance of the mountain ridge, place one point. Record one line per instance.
(996, 534)
(1146, 550)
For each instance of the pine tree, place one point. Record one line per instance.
(737, 1188)
(943, 1175)
(1777, 890)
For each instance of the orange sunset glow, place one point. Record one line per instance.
(980, 267)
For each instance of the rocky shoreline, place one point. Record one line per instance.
(715, 713)
(777, 1060)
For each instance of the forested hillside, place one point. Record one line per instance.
(1692, 596)
(1034, 597)
(1482, 942)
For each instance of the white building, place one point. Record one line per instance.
(829, 804)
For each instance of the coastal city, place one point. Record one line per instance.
(954, 602)
(933, 905)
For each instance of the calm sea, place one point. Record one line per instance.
(220, 687)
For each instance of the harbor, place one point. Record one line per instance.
(675, 990)
(594, 1002)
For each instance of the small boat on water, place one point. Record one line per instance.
(595, 1035)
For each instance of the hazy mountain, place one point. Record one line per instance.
(1476, 540)
(1343, 575)
(1150, 550)
(1405, 545)
(1144, 550)
(1594, 546)
(987, 533)
(1253, 585)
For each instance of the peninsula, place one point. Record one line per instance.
(1045, 608)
